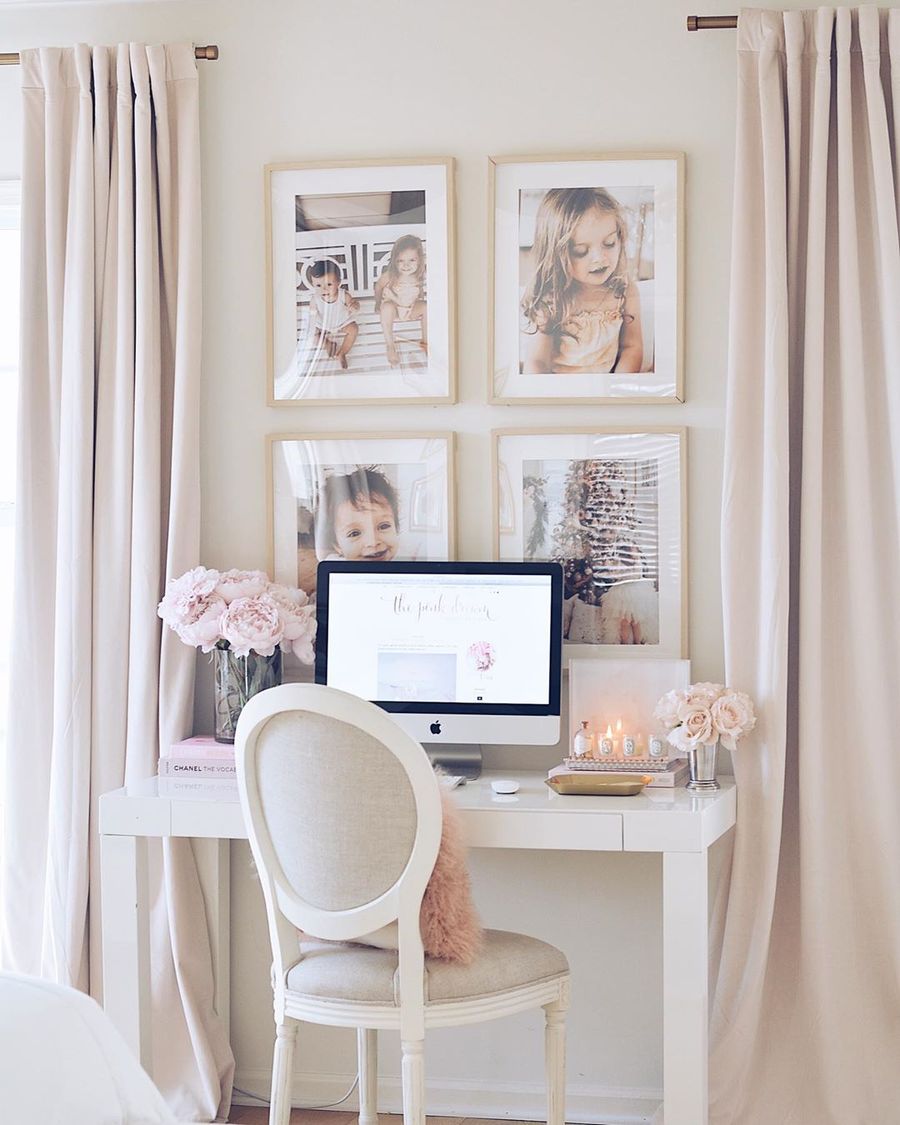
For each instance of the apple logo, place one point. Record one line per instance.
(435, 727)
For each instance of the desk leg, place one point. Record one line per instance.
(685, 988)
(125, 930)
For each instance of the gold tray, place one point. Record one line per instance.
(598, 784)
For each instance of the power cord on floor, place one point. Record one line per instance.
(327, 1105)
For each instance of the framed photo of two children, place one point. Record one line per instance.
(360, 278)
(587, 263)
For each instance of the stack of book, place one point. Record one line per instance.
(666, 772)
(199, 767)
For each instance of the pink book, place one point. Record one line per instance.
(200, 746)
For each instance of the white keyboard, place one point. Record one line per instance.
(451, 781)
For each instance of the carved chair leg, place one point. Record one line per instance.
(367, 1053)
(555, 1061)
(282, 1072)
(413, 1071)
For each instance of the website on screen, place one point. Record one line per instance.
(437, 639)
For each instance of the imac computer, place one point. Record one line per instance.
(459, 653)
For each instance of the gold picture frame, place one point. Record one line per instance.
(609, 503)
(395, 499)
(345, 325)
(613, 336)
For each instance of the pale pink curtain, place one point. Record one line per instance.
(806, 1013)
(108, 507)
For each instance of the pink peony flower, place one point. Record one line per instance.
(298, 619)
(188, 603)
(303, 647)
(252, 624)
(235, 584)
(202, 628)
(733, 716)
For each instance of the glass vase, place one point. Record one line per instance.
(702, 762)
(238, 679)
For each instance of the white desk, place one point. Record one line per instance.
(675, 823)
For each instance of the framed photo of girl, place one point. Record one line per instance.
(586, 283)
(360, 282)
(608, 504)
(360, 497)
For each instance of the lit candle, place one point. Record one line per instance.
(606, 743)
(617, 741)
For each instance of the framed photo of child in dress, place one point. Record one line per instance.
(360, 497)
(586, 283)
(609, 505)
(360, 282)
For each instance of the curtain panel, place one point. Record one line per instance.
(107, 507)
(806, 1009)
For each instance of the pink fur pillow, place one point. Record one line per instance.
(448, 922)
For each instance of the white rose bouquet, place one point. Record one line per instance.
(239, 610)
(704, 713)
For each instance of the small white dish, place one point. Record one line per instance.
(504, 785)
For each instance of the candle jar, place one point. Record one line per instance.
(628, 746)
(657, 746)
(606, 747)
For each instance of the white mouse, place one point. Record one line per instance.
(504, 785)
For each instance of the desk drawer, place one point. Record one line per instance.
(548, 831)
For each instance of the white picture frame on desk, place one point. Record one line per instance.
(621, 695)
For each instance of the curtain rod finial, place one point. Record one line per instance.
(692, 23)
(209, 54)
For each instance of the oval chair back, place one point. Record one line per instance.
(343, 814)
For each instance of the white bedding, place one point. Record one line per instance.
(63, 1063)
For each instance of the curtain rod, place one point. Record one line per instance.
(206, 54)
(710, 23)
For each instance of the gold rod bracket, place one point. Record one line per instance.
(208, 53)
(711, 23)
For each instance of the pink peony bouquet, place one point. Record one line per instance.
(704, 713)
(239, 610)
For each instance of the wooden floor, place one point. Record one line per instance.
(244, 1115)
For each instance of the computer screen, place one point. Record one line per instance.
(457, 652)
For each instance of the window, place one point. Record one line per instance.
(9, 368)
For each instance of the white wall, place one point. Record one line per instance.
(299, 80)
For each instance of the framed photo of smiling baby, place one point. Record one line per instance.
(359, 497)
(586, 282)
(360, 279)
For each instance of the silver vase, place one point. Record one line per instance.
(702, 762)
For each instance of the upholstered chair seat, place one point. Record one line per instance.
(345, 820)
(506, 962)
